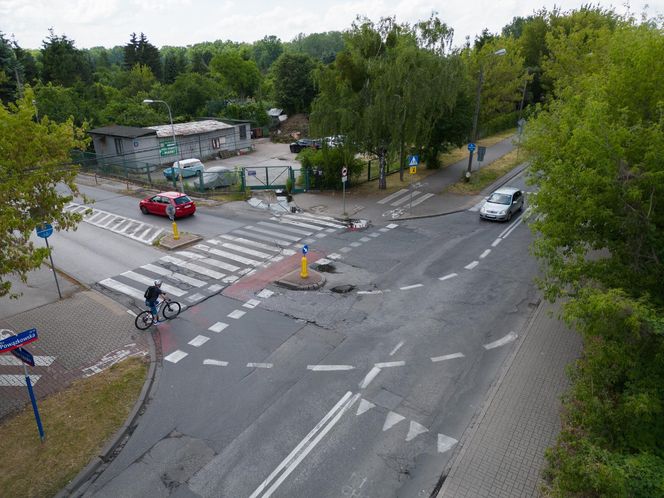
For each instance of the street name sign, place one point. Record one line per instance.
(18, 340)
(24, 355)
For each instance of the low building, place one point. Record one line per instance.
(134, 147)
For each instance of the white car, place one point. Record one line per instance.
(502, 204)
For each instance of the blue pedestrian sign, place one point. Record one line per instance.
(305, 249)
(24, 355)
(471, 147)
(45, 230)
(413, 160)
(18, 340)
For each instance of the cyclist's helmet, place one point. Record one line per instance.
(157, 283)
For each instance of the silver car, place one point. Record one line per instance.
(502, 204)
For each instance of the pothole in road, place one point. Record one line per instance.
(326, 268)
(342, 289)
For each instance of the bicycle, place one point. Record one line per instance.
(169, 310)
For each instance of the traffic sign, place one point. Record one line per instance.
(344, 171)
(18, 340)
(471, 147)
(45, 230)
(413, 170)
(251, 172)
(413, 160)
(24, 355)
(305, 249)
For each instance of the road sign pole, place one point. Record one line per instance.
(50, 257)
(33, 400)
(344, 196)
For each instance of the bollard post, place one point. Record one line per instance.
(304, 273)
(176, 234)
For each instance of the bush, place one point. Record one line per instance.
(324, 166)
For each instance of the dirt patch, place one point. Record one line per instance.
(295, 127)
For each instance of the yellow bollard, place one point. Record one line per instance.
(176, 234)
(304, 273)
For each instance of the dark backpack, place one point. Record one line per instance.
(149, 292)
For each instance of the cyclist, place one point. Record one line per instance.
(151, 295)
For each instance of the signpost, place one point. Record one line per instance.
(344, 179)
(12, 343)
(45, 230)
(413, 161)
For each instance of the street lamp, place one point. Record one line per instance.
(175, 144)
(473, 137)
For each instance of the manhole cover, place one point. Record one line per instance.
(342, 289)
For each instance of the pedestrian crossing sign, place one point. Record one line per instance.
(413, 170)
(413, 160)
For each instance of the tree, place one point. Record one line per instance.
(9, 71)
(323, 47)
(190, 93)
(240, 76)
(175, 62)
(34, 161)
(141, 51)
(293, 82)
(62, 63)
(266, 51)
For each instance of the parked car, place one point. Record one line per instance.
(157, 204)
(305, 143)
(188, 168)
(335, 141)
(502, 204)
(216, 176)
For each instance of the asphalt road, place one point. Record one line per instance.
(322, 394)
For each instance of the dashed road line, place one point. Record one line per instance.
(471, 265)
(447, 357)
(448, 276)
(329, 368)
(409, 287)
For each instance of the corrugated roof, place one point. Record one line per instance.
(122, 131)
(191, 128)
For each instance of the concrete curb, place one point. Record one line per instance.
(473, 426)
(84, 479)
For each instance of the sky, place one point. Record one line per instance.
(109, 23)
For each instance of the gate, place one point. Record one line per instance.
(267, 177)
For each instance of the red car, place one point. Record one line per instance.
(157, 204)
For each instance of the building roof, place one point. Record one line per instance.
(122, 131)
(191, 128)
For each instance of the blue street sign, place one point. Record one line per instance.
(18, 340)
(305, 249)
(24, 355)
(413, 160)
(471, 147)
(45, 230)
(251, 172)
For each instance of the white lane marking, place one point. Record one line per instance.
(193, 267)
(405, 199)
(306, 445)
(198, 341)
(415, 430)
(390, 364)
(485, 253)
(501, 342)
(445, 443)
(297, 223)
(265, 293)
(132, 313)
(7, 380)
(496, 242)
(387, 199)
(396, 348)
(511, 225)
(323, 261)
(421, 199)
(447, 357)
(169, 289)
(329, 368)
(345, 249)
(369, 377)
(383, 229)
(355, 244)
(272, 233)
(391, 420)
(408, 287)
(251, 304)
(365, 239)
(471, 265)
(242, 249)
(40, 361)
(252, 243)
(260, 365)
(364, 406)
(374, 234)
(265, 238)
(175, 356)
(120, 287)
(516, 224)
(334, 255)
(215, 288)
(391, 226)
(228, 255)
(236, 314)
(320, 220)
(159, 270)
(216, 363)
(194, 298)
(370, 292)
(218, 327)
(281, 226)
(448, 276)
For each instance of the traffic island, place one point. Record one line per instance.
(294, 281)
(169, 242)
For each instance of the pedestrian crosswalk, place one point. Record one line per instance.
(406, 197)
(202, 270)
(127, 227)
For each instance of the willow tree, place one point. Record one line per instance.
(34, 159)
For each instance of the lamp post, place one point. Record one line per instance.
(175, 144)
(476, 116)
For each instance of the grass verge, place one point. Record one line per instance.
(77, 422)
(487, 175)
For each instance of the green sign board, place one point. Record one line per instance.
(167, 149)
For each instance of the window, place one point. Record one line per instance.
(119, 150)
(243, 132)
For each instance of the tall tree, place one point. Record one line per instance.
(293, 82)
(62, 63)
(34, 160)
(239, 75)
(141, 51)
(10, 71)
(266, 51)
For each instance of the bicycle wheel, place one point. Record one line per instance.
(170, 309)
(143, 320)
